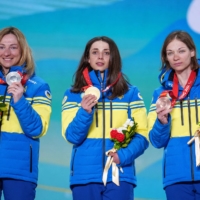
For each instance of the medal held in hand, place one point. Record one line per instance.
(164, 99)
(163, 102)
(94, 91)
(13, 77)
(90, 89)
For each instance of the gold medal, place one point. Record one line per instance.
(163, 102)
(13, 77)
(94, 91)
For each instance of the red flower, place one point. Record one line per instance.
(113, 133)
(120, 137)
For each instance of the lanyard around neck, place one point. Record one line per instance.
(89, 82)
(174, 93)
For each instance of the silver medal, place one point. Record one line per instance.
(13, 77)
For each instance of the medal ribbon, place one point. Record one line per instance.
(108, 87)
(2, 81)
(174, 93)
(196, 138)
(115, 169)
(87, 79)
(23, 80)
(89, 82)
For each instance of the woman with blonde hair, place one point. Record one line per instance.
(24, 119)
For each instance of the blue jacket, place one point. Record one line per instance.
(90, 133)
(21, 127)
(179, 163)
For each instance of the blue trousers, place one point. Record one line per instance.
(183, 191)
(17, 189)
(97, 191)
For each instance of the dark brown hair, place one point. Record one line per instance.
(186, 39)
(115, 66)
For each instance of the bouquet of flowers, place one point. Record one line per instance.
(121, 138)
(123, 135)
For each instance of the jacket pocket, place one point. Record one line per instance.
(164, 167)
(31, 158)
(72, 161)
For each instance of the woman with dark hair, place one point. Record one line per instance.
(174, 117)
(24, 119)
(88, 118)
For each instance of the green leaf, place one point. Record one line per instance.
(127, 135)
(124, 145)
(117, 146)
(128, 140)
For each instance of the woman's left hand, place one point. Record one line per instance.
(115, 157)
(17, 90)
(162, 114)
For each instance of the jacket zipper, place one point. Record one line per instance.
(111, 114)
(190, 130)
(103, 149)
(196, 109)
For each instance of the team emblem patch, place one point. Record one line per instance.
(48, 94)
(139, 95)
(64, 99)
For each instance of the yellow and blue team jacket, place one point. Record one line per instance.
(90, 132)
(22, 124)
(179, 163)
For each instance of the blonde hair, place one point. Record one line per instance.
(26, 53)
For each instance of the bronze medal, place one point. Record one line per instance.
(163, 102)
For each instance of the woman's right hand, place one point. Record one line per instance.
(88, 102)
(162, 114)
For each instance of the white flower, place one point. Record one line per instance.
(126, 123)
(131, 123)
(120, 129)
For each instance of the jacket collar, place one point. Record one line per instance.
(166, 78)
(13, 69)
(97, 81)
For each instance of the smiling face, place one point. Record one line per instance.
(179, 55)
(10, 52)
(99, 55)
